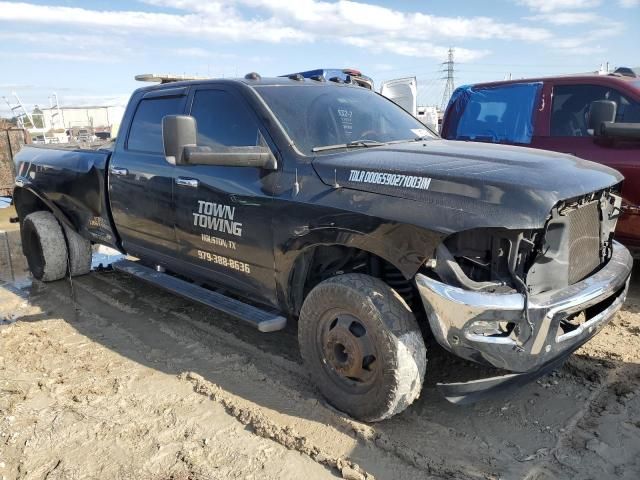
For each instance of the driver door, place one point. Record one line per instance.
(223, 213)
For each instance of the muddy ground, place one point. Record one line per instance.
(107, 377)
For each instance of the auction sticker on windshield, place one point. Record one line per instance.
(420, 132)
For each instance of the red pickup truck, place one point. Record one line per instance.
(562, 114)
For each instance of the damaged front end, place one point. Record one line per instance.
(522, 301)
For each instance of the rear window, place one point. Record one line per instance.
(497, 114)
(146, 128)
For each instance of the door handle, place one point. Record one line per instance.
(187, 182)
(119, 171)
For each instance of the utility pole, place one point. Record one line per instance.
(449, 86)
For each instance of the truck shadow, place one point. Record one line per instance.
(506, 435)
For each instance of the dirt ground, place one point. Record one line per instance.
(107, 377)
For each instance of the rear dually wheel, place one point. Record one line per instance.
(44, 246)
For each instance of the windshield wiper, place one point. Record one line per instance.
(409, 140)
(354, 143)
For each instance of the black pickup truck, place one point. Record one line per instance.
(291, 198)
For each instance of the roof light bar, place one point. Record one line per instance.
(166, 77)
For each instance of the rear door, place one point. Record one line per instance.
(403, 92)
(141, 180)
(223, 219)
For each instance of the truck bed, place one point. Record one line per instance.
(73, 181)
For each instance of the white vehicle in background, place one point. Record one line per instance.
(403, 92)
(429, 116)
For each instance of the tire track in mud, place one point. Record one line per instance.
(541, 470)
(385, 438)
(554, 461)
(362, 432)
(302, 422)
(258, 380)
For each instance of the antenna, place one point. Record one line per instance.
(449, 87)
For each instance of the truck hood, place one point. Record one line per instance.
(515, 186)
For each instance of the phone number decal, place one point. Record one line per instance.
(225, 262)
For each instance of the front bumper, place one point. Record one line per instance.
(454, 314)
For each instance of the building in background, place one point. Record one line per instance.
(80, 123)
(60, 124)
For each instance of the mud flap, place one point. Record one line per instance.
(464, 393)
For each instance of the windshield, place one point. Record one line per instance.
(321, 116)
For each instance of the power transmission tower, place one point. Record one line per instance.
(449, 87)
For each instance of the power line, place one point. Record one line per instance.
(449, 87)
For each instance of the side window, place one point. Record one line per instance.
(145, 134)
(571, 103)
(628, 111)
(223, 120)
(570, 109)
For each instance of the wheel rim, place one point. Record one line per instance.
(349, 353)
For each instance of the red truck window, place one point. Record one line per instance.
(502, 114)
(571, 103)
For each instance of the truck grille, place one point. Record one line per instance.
(584, 241)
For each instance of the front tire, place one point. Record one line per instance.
(363, 346)
(44, 246)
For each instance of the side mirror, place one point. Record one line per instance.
(259, 156)
(621, 131)
(601, 111)
(178, 131)
(179, 135)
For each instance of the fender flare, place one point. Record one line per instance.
(25, 187)
(294, 250)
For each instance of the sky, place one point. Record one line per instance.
(88, 52)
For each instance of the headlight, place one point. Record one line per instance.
(488, 259)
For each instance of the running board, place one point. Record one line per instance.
(260, 319)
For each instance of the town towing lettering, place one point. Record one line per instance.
(391, 179)
(217, 217)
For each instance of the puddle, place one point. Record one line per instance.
(5, 202)
(13, 265)
(14, 270)
(104, 256)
